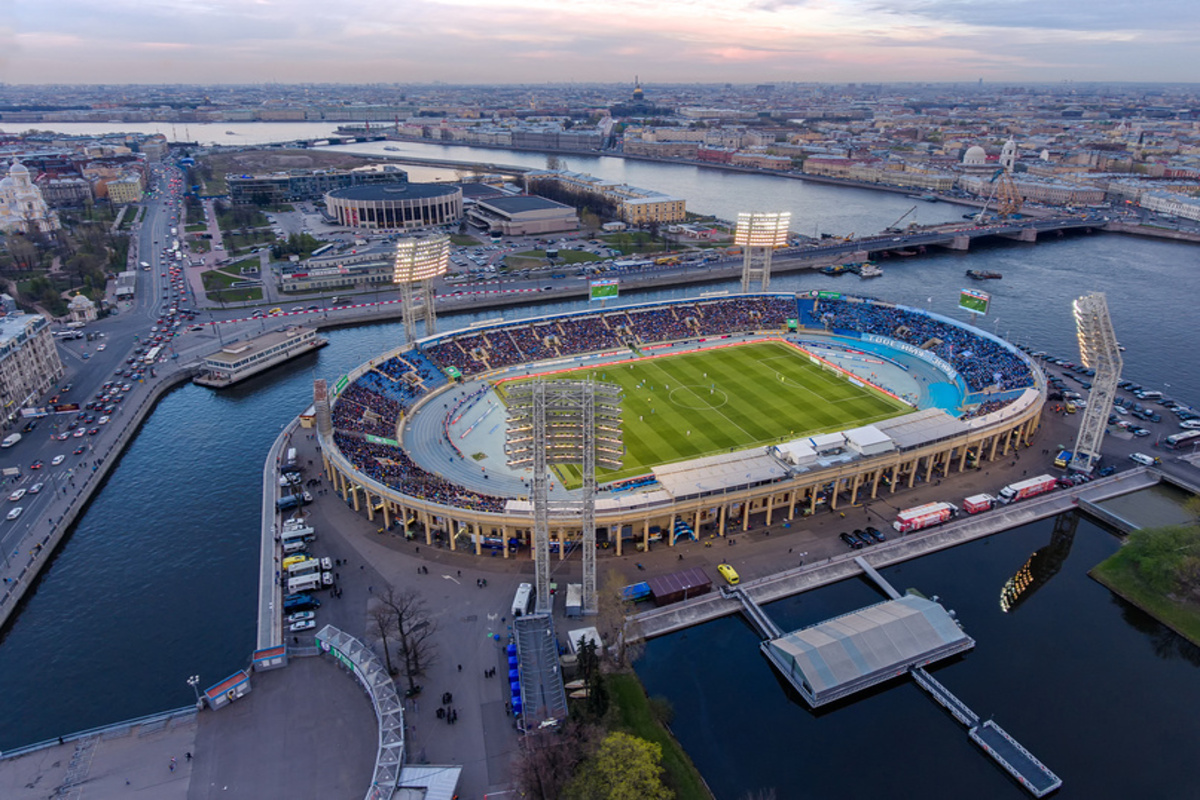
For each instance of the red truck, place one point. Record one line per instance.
(1027, 488)
(977, 503)
(914, 519)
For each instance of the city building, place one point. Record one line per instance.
(82, 309)
(365, 267)
(22, 207)
(126, 190)
(305, 184)
(396, 206)
(522, 216)
(29, 362)
(1172, 204)
(635, 206)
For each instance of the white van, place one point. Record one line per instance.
(304, 583)
(523, 600)
(10, 440)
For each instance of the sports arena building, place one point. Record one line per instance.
(416, 435)
(396, 206)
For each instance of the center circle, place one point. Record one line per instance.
(697, 398)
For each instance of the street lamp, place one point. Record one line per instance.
(194, 682)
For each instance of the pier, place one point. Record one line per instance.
(845, 655)
(1018, 762)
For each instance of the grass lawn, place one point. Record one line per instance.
(687, 406)
(462, 240)
(219, 279)
(1120, 575)
(200, 245)
(238, 241)
(634, 242)
(634, 717)
(235, 295)
(199, 227)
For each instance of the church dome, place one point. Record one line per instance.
(975, 156)
(18, 169)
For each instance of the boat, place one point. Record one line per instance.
(983, 275)
(835, 269)
(575, 685)
(869, 271)
(392, 147)
(231, 133)
(578, 695)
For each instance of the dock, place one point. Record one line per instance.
(1006, 751)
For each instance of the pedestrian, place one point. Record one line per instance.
(460, 667)
(187, 756)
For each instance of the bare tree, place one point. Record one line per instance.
(383, 619)
(414, 632)
(612, 620)
(549, 757)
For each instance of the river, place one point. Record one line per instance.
(158, 580)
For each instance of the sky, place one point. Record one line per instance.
(542, 41)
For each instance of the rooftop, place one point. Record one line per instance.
(396, 191)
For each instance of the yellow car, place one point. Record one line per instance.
(287, 562)
(728, 573)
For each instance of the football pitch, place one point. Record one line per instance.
(687, 406)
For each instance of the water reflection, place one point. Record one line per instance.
(1040, 567)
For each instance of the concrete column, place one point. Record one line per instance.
(912, 473)
(929, 467)
(721, 523)
(646, 535)
(854, 488)
(992, 451)
(562, 544)
(895, 469)
(478, 539)
(745, 516)
(812, 500)
(387, 515)
(619, 527)
(875, 483)
(962, 458)
(370, 505)
(792, 504)
(427, 521)
(770, 507)
(696, 525)
(355, 490)
(833, 498)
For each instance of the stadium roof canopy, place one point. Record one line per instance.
(716, 473)
(921, 427)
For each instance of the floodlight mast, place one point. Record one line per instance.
(759, 234)
(1098, 350)
(564, 422)
(417, 262)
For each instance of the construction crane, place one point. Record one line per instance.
(1004, 192)
(895, 225)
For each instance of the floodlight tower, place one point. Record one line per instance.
(759, 234)
(418, 261)
(1098, 350)
(564, 422)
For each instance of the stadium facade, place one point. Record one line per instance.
(368, 448)
(396, 206)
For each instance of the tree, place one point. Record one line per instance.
(549, 757)
(593, 679)
(612, 619)
(623, 768)
(414, 632)
(383, 619)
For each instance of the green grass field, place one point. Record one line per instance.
(687, 406)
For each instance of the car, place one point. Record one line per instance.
(37, 464)
(54, 462)
(1143, 459)
(100, 347)
(37, 487)
(78, 450)
(851, 542)
(876, 534)
(62, 437)
(16, 512)
(16, 495)
(1104, 472)
(93, 431)
(1139, 432)
(729, 574)
(300, 616)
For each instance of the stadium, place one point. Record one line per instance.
(736, 410)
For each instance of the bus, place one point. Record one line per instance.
(522, 600)
(322, 250)
(1179, 441)
(152, 354)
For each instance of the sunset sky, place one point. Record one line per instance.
(676, 41)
